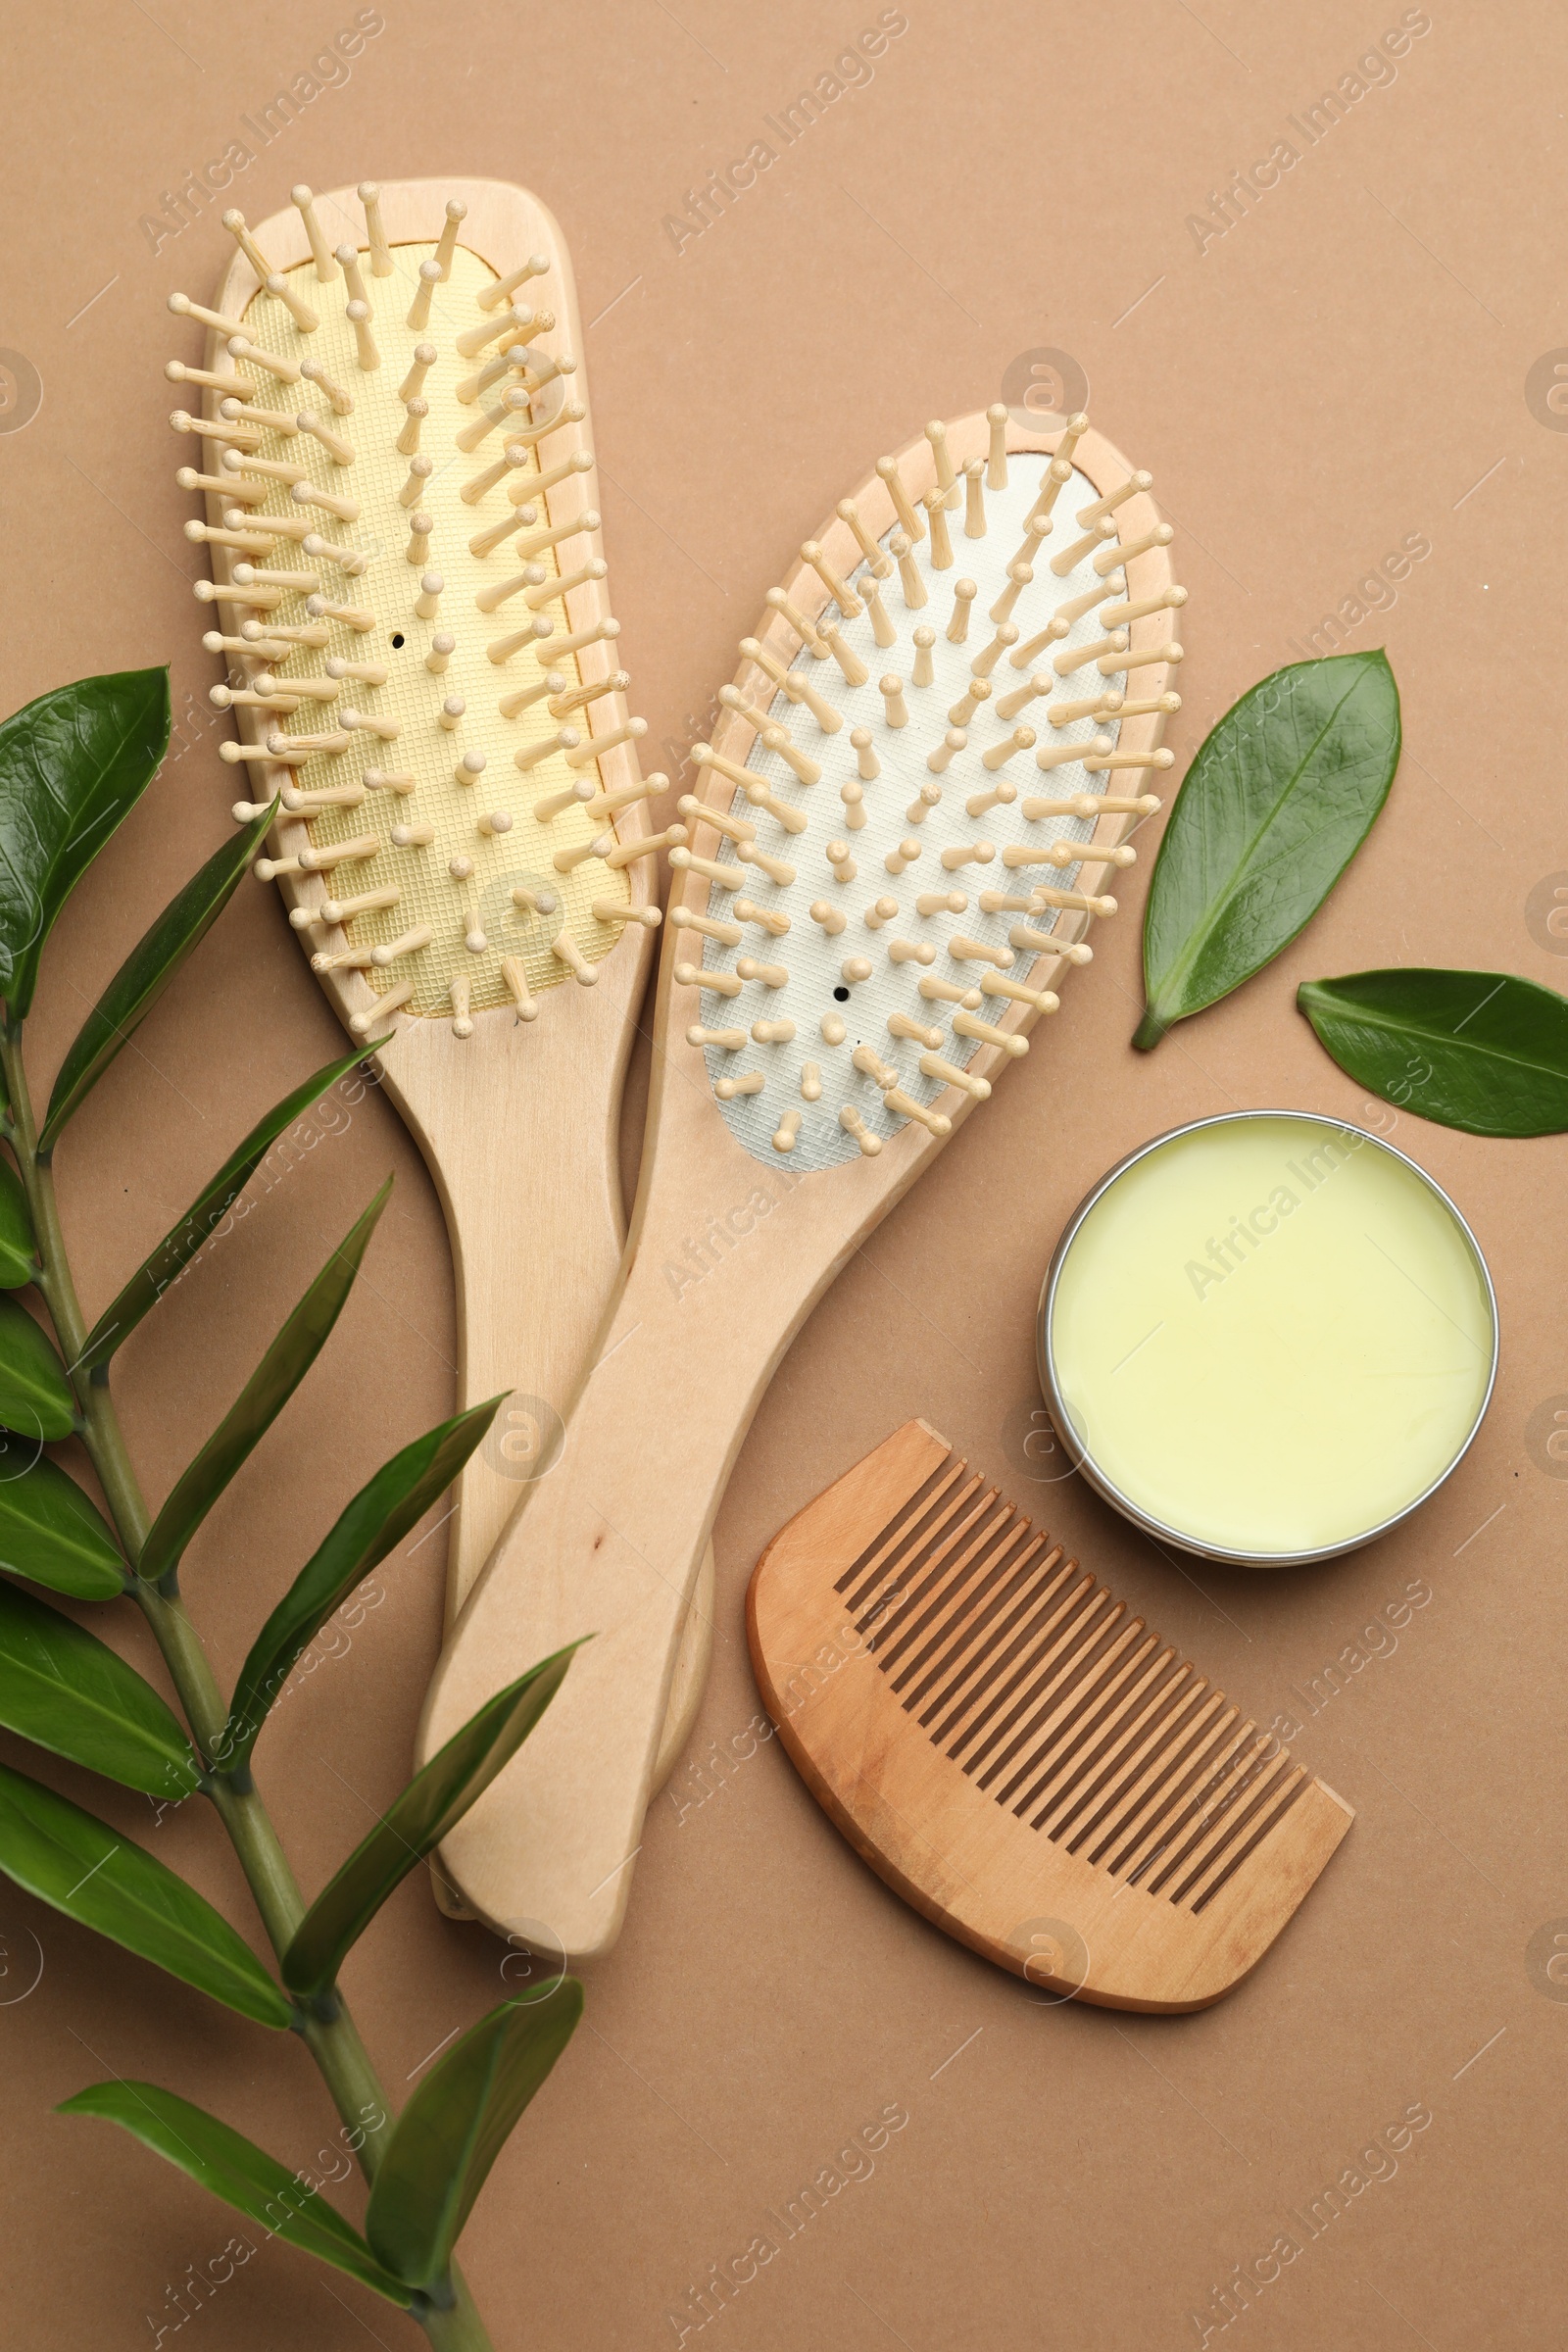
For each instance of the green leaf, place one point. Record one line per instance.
(63, 1688)
(434, 1801)
(147, 971)
(73, 764)
(374, 1522)
(212, 1205)
(233, 2167)
(1278, 801)
(52, 1534)
(72, 1860)
(36, 1398)
(261, 1400)
(456, 2126)
(19, 1261)
(1480, 1051)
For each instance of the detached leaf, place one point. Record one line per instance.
(63, 1688)
(374, 1523)
(261, 1400)
(1278, 801)
(147, 971)
(206, 1213)
(456, 2126)
(1479, 1051)
(67, 1857)
(18, 1248)
(36, 1398)
(72, 765)
(434, 1801)
(233, 2167)
(51, 1533)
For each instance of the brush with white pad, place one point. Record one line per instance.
(391, 433)
(919, 787)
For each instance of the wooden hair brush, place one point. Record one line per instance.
(410, 595)
(927, 762)
(1014, 1754)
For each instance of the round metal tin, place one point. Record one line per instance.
(1082, 1457)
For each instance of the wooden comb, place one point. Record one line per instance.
(1019, 1757)
(411, 602)
(934, 747)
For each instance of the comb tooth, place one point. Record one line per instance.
(1061, 1801)
(415, 413)
(1076, 1724)
(1040, 1610)
(864, 1573)
(1172, 1737)
(340, 401)
(1222, 1810)
(1195, 1892)
(1083, 1632)
(992, 1524)
(928, 1539)
(1169, 1813)
(1041, 1639)
(1071, 1671)
(980, 1636)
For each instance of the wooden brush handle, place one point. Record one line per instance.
(518, 1131)
(609, 1545)
(531, 1192)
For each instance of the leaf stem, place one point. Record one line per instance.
(334, 2041)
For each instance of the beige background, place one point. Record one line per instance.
(1344, 368)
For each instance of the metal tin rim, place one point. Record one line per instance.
(1082, 1459)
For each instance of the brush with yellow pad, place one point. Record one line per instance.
(391, 432)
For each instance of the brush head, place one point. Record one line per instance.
(406, 567)
(1018, 1755)
(923, 772)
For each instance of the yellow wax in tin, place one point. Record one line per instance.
(1271, 1334)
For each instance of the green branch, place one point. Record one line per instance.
(326, 2027)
